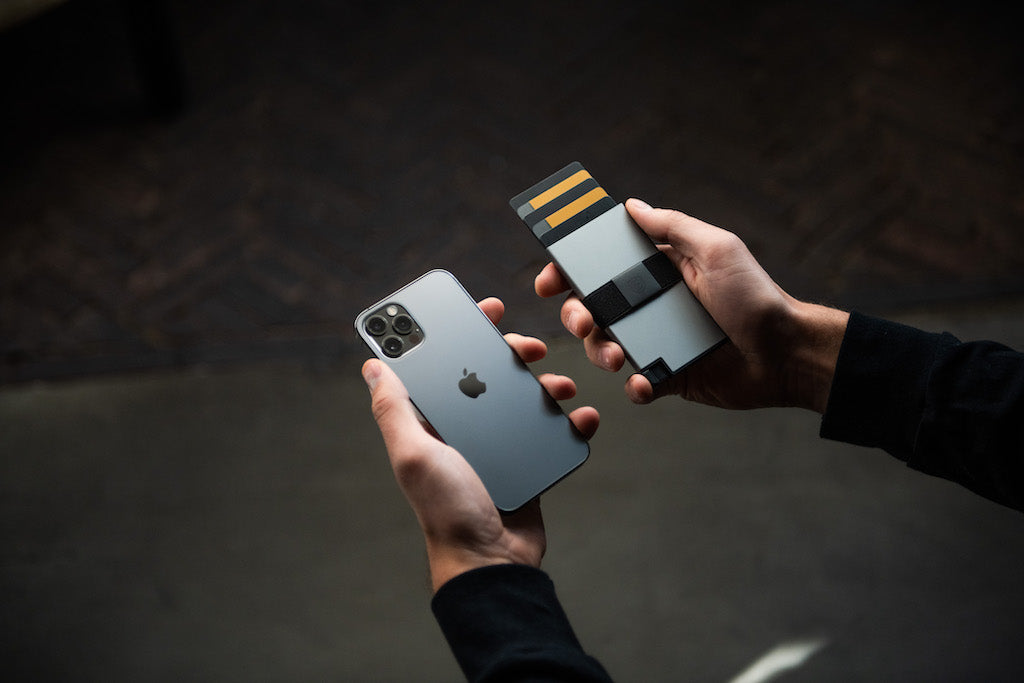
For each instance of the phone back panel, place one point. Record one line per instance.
(514, 434)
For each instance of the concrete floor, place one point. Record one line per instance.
(242, 524)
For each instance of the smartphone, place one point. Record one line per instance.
(635, 293)
(472, 388)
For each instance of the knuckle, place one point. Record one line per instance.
(723, 245)
(576, 318)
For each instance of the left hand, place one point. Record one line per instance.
(462, 528)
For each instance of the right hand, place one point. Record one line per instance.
(781, 352)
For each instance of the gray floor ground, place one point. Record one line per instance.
(242, 524)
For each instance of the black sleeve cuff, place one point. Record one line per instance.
(505, 623)
(879, 387)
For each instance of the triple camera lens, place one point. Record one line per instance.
(395, 330)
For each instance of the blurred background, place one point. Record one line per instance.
(196, 198)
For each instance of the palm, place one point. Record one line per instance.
(745, 302)
(470, 524)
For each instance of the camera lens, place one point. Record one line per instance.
(392, 346)
(402, 324)
(376, 325)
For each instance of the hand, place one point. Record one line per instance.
(463, 529)
(781, 352)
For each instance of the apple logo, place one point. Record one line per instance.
(470, 385)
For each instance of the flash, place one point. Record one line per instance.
(392, 310)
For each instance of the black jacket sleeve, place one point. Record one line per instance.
(950, 409)
(504, 623)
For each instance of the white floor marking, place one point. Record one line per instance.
(783, 657)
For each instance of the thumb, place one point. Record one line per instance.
(396, 418)
(668, 226)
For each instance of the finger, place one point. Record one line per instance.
(683, 232)
(550, 281)
(530, 349)
(397, 419)
(559, 387)
(576, 318)
(674, 255)
(586, 420)
(603, 352)
(639, 389)
(493, 308)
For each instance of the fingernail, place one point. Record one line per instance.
(606, 358)
(371, 374)
(641, 204)
(570, 322)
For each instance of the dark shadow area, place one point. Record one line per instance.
(324, 153)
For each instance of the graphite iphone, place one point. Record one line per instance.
(633, 291)
(473, 389)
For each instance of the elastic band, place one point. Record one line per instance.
(631, 289)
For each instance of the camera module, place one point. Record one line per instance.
(394, 330)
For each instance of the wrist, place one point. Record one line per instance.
(445, 566)
(814, 350)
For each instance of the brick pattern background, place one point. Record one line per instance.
(869, 153)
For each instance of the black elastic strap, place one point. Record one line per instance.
(631, 288)
(657, 372)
